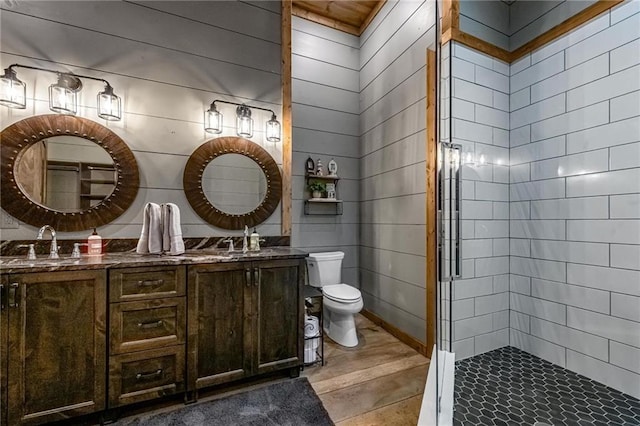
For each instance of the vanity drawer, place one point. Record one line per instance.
(147, 324)
(145, 375)
(146, 283)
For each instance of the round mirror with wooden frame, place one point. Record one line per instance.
(24, 160)
(198, 185)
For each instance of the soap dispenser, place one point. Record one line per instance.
(254, 243)
(95, 244)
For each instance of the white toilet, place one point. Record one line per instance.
(341, 301)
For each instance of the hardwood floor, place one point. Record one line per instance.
(379, 382)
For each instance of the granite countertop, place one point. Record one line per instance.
(12, 264)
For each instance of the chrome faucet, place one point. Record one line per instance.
(53, 253)
(230, 241)
(245, 247)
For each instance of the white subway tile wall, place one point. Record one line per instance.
(575, 200)
(480, 111)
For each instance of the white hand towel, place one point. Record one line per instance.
(172, 242)
(151, 236)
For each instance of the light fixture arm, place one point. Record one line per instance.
(58, 73)
(213, 104)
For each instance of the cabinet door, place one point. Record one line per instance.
(279, 320)
(4, 281)
(57, 346)
(219, 323)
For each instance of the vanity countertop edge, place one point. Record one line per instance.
(13, 265)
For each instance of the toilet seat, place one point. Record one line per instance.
(343, 293)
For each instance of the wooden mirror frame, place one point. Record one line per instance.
(18, 137)
(194, 170)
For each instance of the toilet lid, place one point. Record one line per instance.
(341, 292)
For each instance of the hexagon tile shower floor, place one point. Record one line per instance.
(510, 387)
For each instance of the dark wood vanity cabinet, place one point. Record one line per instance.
(4, 348)
(80, 342)
(147, 333)
(245, 318)
(52, 342)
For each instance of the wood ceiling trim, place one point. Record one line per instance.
(352, 17)
(481, 45)
(372, 15)
(564, 27)
(451, 30)
(323, 20)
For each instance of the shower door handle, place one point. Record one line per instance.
(458, 211)
(450, 212)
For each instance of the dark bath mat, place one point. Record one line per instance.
(288, 403)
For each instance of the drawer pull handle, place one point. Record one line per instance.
(247, 277)
(149, 283)
(145, 376)
(150, 324)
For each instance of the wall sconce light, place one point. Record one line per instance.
(244, 122)
(13, 92)
(213, 120)
(273, 129)
(109, 104)
(63, 95)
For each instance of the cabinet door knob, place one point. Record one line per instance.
(13, 295)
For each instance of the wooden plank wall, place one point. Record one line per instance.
(325, 126)
(168, 62)
(393, 167)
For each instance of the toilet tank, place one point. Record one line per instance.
(325, 268)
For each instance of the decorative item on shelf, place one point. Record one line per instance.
(331, 191)
(310, 166)
(316, 189)
(244, 122)
(63, 95)
(332, 168)
(319, 168)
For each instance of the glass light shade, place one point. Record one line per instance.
(273, 129)
(63, 96)
(13, 92)
(212, 120)
(109, 105)
(244, 122)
